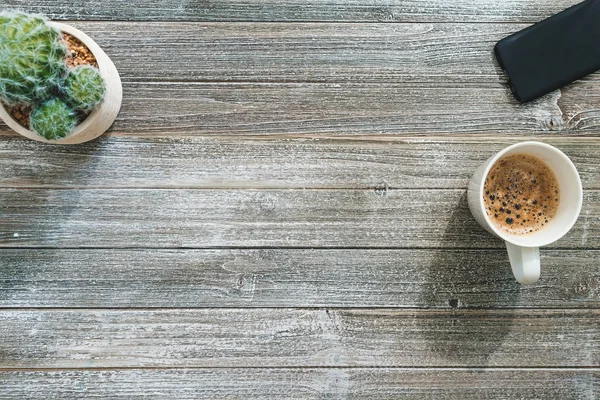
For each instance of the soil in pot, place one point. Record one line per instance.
(77, 54)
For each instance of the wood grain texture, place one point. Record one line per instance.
(237, 118)
(292, 278)
(319, 109)
(282, 337)
(435, 53)
(349, 109)
(297, 10)
(338, 79)
(276, 163)
(380, 218)
(327, 79)
(305, 383)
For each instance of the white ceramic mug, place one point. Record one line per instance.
(523, 250)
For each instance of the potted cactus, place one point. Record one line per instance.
(46, 92)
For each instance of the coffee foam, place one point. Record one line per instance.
(521, 194)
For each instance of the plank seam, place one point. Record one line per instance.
(420, 368)
(287, 22)
(285, 248)
(335, 308)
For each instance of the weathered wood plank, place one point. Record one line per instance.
(292, 278)
(298, 10)
(302, 52)
(288, 163)
(321, 109)
(348, 109)
(434, 53)
(423, 78)
(117, 218)
(298, 337)
(339, 79)
(338, 383)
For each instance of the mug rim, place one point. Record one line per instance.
(514, 239)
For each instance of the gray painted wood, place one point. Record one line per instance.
(320, 109)
(327, 79)
(292, 278)
(344, 109)
(348, 109)
(282, 337)
(116, 218)
(338, 383)
(297, 10)
(294, 89)
(433, 53)
(228, 162)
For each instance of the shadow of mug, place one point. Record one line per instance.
(467, 274)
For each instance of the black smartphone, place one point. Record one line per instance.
(552, 53)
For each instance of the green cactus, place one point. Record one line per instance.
(31, 58)
(84, 88)
(53, 119)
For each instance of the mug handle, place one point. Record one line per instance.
(525, 263)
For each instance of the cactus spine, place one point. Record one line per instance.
(53, 119)
(84, 88)
(31, 58)
(33, 72)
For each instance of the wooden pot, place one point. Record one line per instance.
(102, 117)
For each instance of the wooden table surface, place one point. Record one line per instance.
(280, 212)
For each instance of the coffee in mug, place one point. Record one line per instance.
(521, 194)
(529, 195)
